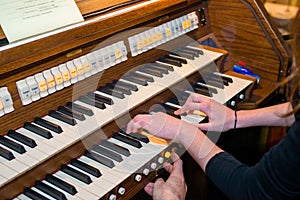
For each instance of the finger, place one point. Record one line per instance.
(129, 126)
(138, 122)
(193, 98)
(158, 183)
(168, 167)
(177, 165)
(191, 107)
(149, 188)
(203, 126)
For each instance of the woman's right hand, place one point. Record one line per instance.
(220, 117)
(158, 124)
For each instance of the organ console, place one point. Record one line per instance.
(67, 95)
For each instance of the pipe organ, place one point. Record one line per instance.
(66, 96)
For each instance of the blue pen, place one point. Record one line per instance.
(246, 71)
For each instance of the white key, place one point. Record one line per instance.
(7, 172)
(2, 179)
(103, 184)
(84, 191)
(68, 196)
(113, 177)
(61, 138)
(42, 143)
(33, 152)
(23, 197)
(14, 164)
(42, 193)
(23, 158)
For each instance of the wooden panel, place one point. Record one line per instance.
(242, 29)
(92, 6)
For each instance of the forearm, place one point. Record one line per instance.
(268, 116)
(199, 146)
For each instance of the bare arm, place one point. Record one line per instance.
(268, 116)
(162, 125)
(221, 118)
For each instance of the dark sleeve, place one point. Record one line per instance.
(275, 176)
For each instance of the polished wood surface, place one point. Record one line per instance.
(251, 39)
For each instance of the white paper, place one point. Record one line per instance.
(20, 19)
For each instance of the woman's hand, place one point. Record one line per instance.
(174, 188)
(158, 124)
(220, 117)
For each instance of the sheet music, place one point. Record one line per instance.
(20, 19)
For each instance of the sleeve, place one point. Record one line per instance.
(275, 176)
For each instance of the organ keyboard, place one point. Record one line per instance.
(66, 141)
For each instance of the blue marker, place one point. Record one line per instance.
(243, 70)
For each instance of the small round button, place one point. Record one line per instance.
(232, 103)
(241, 96)
(153, 165)
(121, 190)
(112, 197)
(146, 171)
(138, 178)
(160, 160)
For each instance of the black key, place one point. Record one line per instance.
(228, 79)
(62, 117)
(112, 92)
(100, 159)
(12, 145)
(174, 101)
(92, 102)
(130, 86)
(137, 136)
(6, 154)
(71, 113)
(199, 51)
(21, 138)
(100, 98)
(203, 91)
(152, 72)
(160, 67)
(61, 184)
(142, 76)
(118, 88)
(50, 190)
(80, 108)
(191, 53)
(216, 79)
(211, 89)
(129, 78)
(165, 109)
(49, 125)
(117, 148)
(38, 130)
(170, 61)
(106, 152)
(127, 140)
(33, 194)
(85, 167)
(214, 83)
(183, 55)
(172, 108)
(183, 96)
(180, 99)
(76, 174)
(182, 60)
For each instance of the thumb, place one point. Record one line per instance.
(203, 126)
